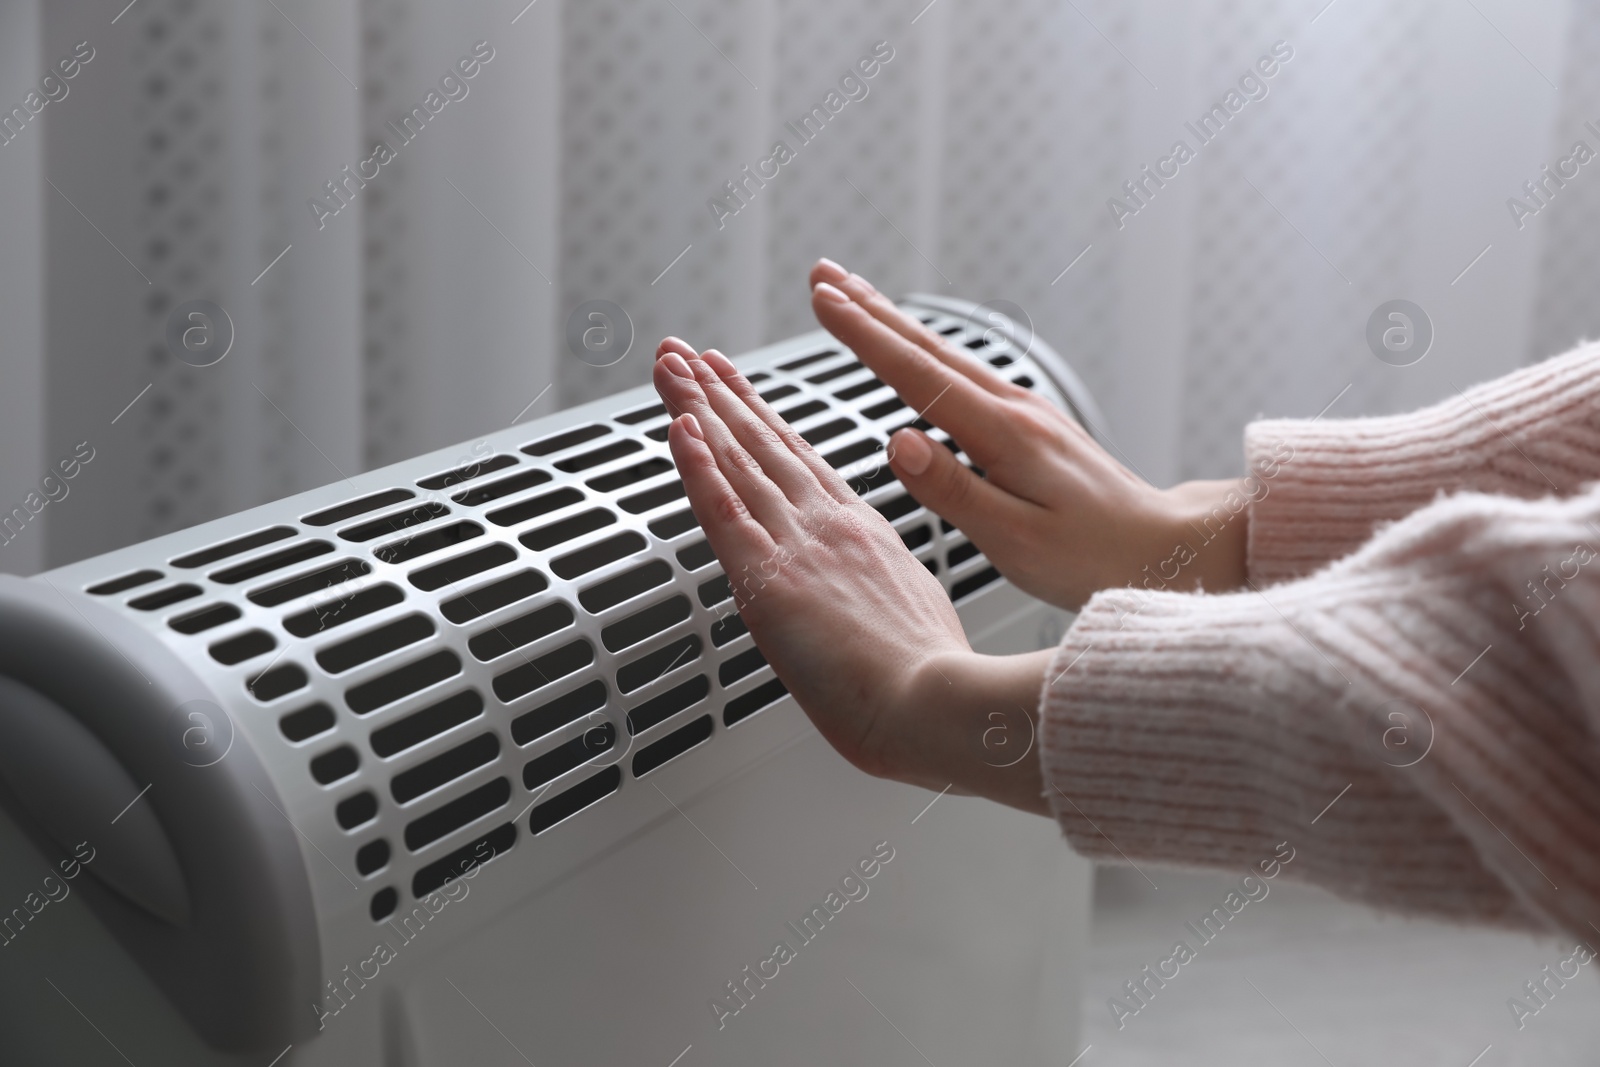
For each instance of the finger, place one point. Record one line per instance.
(972, 414)
(911, 328)
(946, 486)
(734, 534)
(741, 387)
(775, 452)
(682, 391)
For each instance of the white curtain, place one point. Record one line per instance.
(585, 157)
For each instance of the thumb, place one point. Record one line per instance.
(943, 484)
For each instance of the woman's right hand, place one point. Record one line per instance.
(1054, 512)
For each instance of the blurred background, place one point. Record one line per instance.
(199, 151)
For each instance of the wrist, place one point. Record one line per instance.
(1208, 523)
(972, 726)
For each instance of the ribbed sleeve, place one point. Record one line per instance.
(1418, 720)
(1533, 432)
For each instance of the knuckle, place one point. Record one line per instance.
(730, 509)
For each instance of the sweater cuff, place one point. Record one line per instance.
(1320, 488)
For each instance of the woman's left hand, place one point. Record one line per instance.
(859, 632)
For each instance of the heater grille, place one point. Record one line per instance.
(481, 651)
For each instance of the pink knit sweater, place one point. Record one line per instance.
(1410, 694)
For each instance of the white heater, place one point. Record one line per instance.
(467, 761)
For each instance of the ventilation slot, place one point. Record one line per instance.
(414, 677)
(576, 564)
(569, 707)
(372, 857)
(806, 361)
(1023, 380)
(584, 460)
(392, 524)
(272, 562)
(678, 523)
(850, 453)
(772, 396)
(892, 509)
(726, 629)
(424, 725)
(462, 861)
(625, 586)
(569, 756)
(745, 663)
(350, 654)
(589, 791)
(638, 472)
(463, 567)
(645, 624)
(547, 537)
(126, 582)
(479, 602)
(468, 473)
(361, 506)
(323, 617)
(715, 591)
(459, 813)
(884, 408)
(974, 583)
(313, 582)
(646, 669)
(827, 431)
(535, 507)
(444, 769)
(740, 708)
(248, 645)
(207, 556)
(163, 598)
(960, 553)
(652, 498)
(541, 672)
(633, 418)
(332, 766)
(433, 541)
(306, 723)
(918, 537)
(659, 709)
(504, 487)
(672, 746)
(205, 619)
(696, 556)
(523, 630)
(548, 445)
(1002, 359)
(859, 389)
(801, 411)
(384, 902)
(876, 478)
(277, 682)
(356, 811)
(833, 372)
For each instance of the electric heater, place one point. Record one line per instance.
(468, 760)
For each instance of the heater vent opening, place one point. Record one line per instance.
(216, 553)
(672, 746)
(590, 791)
(361, 506)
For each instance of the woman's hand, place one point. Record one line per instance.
(861, 634)
(1055, 513)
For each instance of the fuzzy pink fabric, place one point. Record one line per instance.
(1409, 695)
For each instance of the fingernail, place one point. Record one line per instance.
(831, 265)
(692, 424)
(719, 363)
(910, 452)
(828, 292)
(676, 364)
